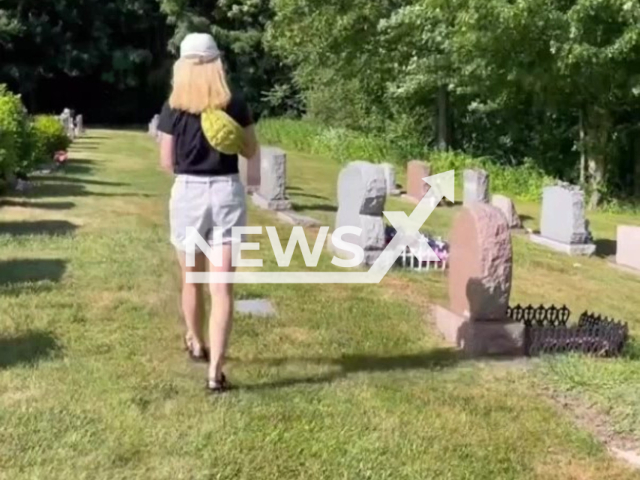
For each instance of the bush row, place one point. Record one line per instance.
(525, 181)
(26, 142)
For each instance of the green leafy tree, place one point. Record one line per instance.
(580, 55)
(238, 27)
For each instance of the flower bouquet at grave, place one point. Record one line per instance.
(439, 247)
(61, 158)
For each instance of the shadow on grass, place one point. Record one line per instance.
(353, 364)
(21, 271)
(525, 218)
(316, 207)
(38, 205)
(27, 348)
(309, 195)
(52, 190)
(74, 180)
(606, 248)
(40, 227)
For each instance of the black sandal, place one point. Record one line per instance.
(218, 386)
(201, 357)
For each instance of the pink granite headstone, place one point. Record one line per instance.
(416, 171)
(628, 250)
(481, 263)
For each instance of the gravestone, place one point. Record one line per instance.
(273, 180)
(255, 308)
(79, 125)
(362, 193)
(628, 249)
(506, 206)
(480, 275)
(476, 186)
(153, 126)
(250, 172)
(563, 226)
(67, 123)
(416, 187)
(390, 177)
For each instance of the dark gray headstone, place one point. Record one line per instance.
(362, 193)
(273, 180)
(563, 217)
(476, 186)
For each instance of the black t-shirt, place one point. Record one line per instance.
(193, 154)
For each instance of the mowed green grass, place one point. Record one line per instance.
(348, 381)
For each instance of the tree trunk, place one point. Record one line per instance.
(598, 131)
(636, 164)
(583, 151)
(443, 127)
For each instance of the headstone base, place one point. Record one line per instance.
(624, 268)
(251, 189)
(277, 205)
(578, 250)
(478, 339)
(296, 219)
(370, 256)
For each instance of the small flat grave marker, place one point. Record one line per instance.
(256, 308)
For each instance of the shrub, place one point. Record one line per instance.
(49, 137)
(525, 181)
(15, 142)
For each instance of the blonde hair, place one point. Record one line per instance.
(198, 86)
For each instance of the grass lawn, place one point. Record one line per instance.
(349, 381)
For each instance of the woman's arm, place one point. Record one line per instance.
(250, 147)
(167, 160)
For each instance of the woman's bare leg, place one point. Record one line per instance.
(220, 321)
(193, 303)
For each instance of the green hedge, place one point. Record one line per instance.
(15, 133)
(525, 181)
(49, 137)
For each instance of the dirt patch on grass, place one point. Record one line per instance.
(563, 468)
(590, 419)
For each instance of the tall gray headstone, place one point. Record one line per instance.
(390, 177)
(362, 192)
(79, 125)
(563, 217)
(67, 123)
(273, 180)
(476, 186)
(506, 206)
(563, 226)
(153, 126)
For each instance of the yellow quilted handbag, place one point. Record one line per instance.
(222, 131)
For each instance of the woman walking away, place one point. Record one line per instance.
(204, 127)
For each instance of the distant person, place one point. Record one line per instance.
(204, 126)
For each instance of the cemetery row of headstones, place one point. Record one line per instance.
(73, 125)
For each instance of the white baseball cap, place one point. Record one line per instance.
(199, 45)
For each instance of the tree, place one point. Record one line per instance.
(114, 42)
(238, 27)
(582, 55)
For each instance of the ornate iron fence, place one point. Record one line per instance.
(547, 331)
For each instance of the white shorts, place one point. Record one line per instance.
(210, 205)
